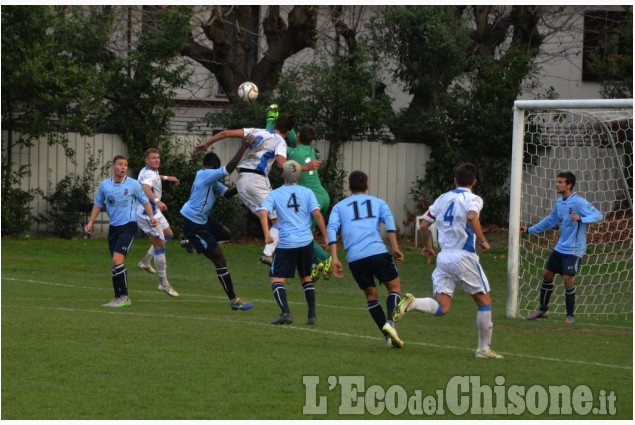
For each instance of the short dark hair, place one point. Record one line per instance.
(569, 177)
(358, 181)
(465, 174)
(284, 123)
(307, 134)
(211, 160)
(117, 158)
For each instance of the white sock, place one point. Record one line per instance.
(427, 305)
(485, 327)
(149, 255)
(161, 263)
(271, 247)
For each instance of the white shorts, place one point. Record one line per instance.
(459, 267)
(253, 189)
(144, 224)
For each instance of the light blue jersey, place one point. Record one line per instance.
(205, 189)
(359, 217)
(120, 199)
(572, 239)
(294, 206)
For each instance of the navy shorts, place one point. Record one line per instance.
(202, 236)
(563, 263)
(120, 238)
(379, 266)
(285, 261)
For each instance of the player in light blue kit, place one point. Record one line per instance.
(359, 216)
(294, 205)
(457, 216)
(571, 213)
(200, 229)
(119, 196)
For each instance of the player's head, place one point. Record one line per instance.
(211, 160)
(284, 123)
(152, 158)
(358, 181)
(306, 135)
(569, 178)
(119, 165)
(291, 172)
(465, 175)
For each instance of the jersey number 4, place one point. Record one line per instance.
(449, 216)
(369, 210)
(293, 203)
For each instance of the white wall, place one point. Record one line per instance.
(392, 169)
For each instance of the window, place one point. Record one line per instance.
(603, 40)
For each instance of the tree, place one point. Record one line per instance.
(227, 37)
(464, 66)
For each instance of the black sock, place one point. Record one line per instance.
(545, 294)
(120, 280)
(391, 302)
(377, 312)
(569, 300)
(280, 295)
(309, 295)
(226, 280)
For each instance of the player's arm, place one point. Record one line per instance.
(147, 190)
(172, 179)
(264, 223)
(396, 252)
(231, 192)
(147, 206)
(475, 225)
(319, 220)
(427, 250)
(314, 164)
(93, 216)
(245, 144)
(215, 138)
(331, 231)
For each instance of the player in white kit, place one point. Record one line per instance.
(457, 216)
(150, 181)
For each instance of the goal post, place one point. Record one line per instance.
(594, 140)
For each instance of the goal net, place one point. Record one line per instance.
(594, 140)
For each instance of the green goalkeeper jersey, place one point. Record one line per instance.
(303, 154)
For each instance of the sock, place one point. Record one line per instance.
(270, 247)
(161, 263)
(377, 313)
(309, 295)
(280, 295)
(319, 252)
(391, 302)
(120, 280)
(149, 255)
(545, 294)
(569, 300)
(427, 305)
(485, 326)
(226, 280)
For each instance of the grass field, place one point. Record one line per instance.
(192, 357)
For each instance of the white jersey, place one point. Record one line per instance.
(449, 211)
(261, 155)
(150, 177)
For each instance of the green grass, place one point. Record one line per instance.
(66, 357)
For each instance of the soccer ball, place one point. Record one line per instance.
(248, 91)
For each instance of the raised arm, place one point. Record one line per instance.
(215, 138)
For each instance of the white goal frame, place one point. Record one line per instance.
(518, 145)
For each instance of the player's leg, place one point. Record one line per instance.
(145, 263)
(120, 239)
(443, 289)
(554, 265)
(158, 242)
(569, 297)
(304, 262)
(282, 267)
(201, 238)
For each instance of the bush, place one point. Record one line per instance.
(70, 204)
(16, 212)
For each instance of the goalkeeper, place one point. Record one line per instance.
(304, 153)
(571, 213)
